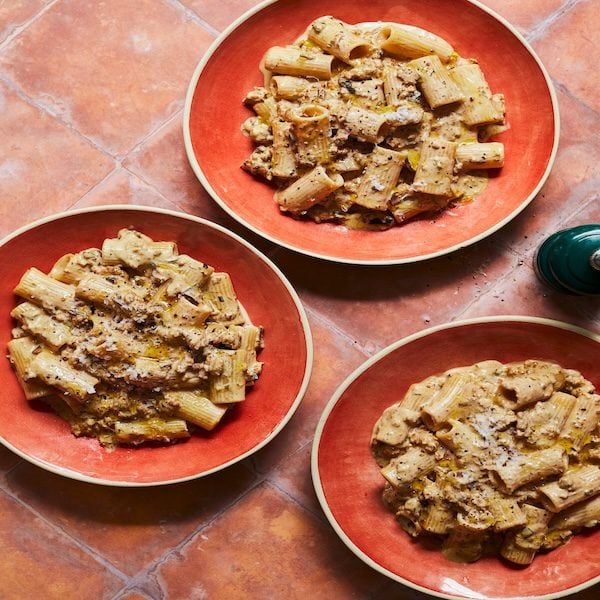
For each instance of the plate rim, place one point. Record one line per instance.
(72, 474)
(351, 261)
(337, 394)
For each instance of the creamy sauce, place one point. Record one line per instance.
(470, 185)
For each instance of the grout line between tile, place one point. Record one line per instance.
(194, 16)
(335, 328)
(321, 518)
(546, 23)
(567, 92)
(78, 543)
(153, 187)
(95, 186)
(46, 110)
(14, 87)
(121, 593)
(5, 475)
(319, 515)
(18, 30)
(138, 146)
(152, 566)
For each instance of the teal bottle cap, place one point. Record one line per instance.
(569, 260)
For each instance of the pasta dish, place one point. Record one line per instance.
(493, 458)
(134, 342)
(371, 125)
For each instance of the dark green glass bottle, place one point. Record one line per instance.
(569, 260)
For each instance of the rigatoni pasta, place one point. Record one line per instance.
(135, 342)
(493, 458)
(341, 95)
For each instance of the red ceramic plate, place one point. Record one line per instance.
(349, 485)
(38, 435)
(216, 148)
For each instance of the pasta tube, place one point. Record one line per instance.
(45, 291)
(520, 546)
(70, 268)
(99, 290)
(184, 275)
(22, 353)
(480, 156)
(307, 191)
(337, 38)
(478, 107)
(56, 372)
(293, 61)
(436, 84)
(38, 323)
(393, 88)
(187, 314)
(266, 110)
(224, 308)
(461, 438)
(393, 425)
(543, 424)
(366, 125)
(251, 338)
(284, 157)
(573, 487)
(230, 386)
(534, 466)
(407, 467)
(438, 519)
(407, 41)
(436, 168)
(582, 420)
(583, 514)
(135, 249)
(220, 283)
(446, 401)
(195, 407)
(286, 87)
(379, 178)
(507, 513)
(311, 129)
(411, 207)
(151, 430)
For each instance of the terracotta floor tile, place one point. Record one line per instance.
(133, 595)
(8, 459)
(15, 13)
(290, 554)
(294, 476)
(130, 527)
(116, 75)
(162, 162)
(220, 14)
(523, 294)
(335, 358)
(569, 50)
(44, 167)
(122, 187)
(574, 179)
(377, 306)
(525, 14)
(39, 562)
